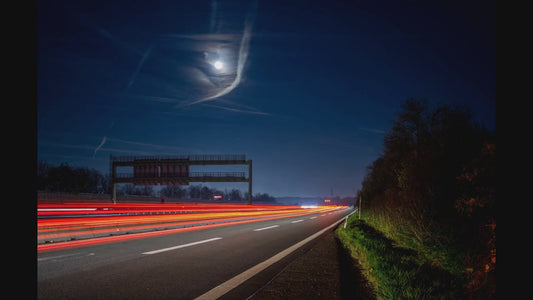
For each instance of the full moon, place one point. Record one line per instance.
(218, 65)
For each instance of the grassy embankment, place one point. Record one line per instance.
(429, 222)
(396, 272)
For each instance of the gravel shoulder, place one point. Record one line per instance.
(326, 271)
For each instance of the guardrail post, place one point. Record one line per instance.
(360, 205)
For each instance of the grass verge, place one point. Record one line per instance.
(396, 272)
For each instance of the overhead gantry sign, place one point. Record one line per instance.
(174, 170)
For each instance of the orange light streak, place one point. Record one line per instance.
(77, 224)
(160, 221)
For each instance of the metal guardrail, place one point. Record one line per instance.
(217, 157)
(199, 157)
(190, 174)
(217, 174)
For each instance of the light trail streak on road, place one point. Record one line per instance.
(68, 225)
(88, 208)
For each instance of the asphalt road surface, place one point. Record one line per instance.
(229, 262)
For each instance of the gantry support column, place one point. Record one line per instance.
(250, 182)
(114, 182)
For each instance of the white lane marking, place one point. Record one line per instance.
(265, 228)
(55, 257)
(323, 215)
(64, 256)
(181, 246)
(297, 221)
(227, 286)
(313, 218)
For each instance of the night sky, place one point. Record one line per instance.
(306, 89)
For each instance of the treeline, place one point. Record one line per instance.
(206, 193)
(66, 178)
(432, 190)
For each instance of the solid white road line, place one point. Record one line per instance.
(182, 246)
(297, 221)
(227, 286)
(73, 255)
(265, 228)
(312, 218)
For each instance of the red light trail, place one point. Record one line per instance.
(76, 224)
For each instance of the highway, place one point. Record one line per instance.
(207, 262)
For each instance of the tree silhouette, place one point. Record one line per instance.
(434, 183)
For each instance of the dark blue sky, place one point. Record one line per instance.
(306, 90)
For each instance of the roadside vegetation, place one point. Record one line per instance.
(428, 227)
(396, 272)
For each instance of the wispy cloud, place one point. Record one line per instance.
(253, 112)
(150, 145)
(115, 145)
(99, 146)
(139, 66)
(243, 56)
(372, 130)
(158, 99)
(191, 80)
(209, 37)
(107, 34)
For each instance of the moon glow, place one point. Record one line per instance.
(218, 65)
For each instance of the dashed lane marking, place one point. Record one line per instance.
(181, 246)
(265, 228)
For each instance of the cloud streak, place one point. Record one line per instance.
(107, 34)
(121, 146)
(373, 130)
(253, 112)
(149, 145)
(243, 56)
(139, 66)
(99, 146)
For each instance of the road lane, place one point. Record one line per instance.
(222, 289)
(66, 232)
(122, 270)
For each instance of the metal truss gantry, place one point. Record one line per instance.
(174, 170)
